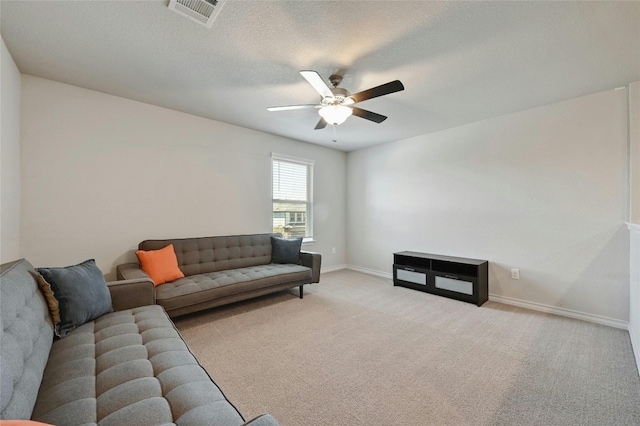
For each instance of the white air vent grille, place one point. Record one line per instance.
(200, 11)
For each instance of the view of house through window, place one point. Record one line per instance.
(292, 196)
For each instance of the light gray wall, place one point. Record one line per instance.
(634, 150)
(543, 190)
(102, 173)
(9, 157)
(634, 226)
(634, 291)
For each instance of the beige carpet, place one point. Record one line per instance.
(359, 351)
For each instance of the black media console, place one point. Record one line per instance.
(453, 277)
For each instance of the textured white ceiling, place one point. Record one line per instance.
(459, 61)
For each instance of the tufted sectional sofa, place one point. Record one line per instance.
(128, 367)
(224, 269)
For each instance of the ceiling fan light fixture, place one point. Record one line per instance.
(335, 114)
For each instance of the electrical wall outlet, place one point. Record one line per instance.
(515, 274)
(333, 250)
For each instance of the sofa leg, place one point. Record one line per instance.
(301, 292)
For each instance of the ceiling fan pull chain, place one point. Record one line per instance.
(335, 131)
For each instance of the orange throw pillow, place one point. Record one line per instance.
(161, 265)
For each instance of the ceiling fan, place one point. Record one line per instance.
(336, 104)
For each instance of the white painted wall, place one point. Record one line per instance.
(9, 157)
(634, 150)
(543, 190)
(102, 173)
(634, 291)
(634, 225)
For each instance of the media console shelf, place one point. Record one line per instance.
(454, 277)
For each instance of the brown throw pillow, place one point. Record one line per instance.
(52, 302)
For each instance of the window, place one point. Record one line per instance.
(292, 180)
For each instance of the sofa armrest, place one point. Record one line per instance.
(128, 294)
(312, 260)
(130, 271)
(262, 420)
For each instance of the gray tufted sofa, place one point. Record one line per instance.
(128, 367)
(225, 269)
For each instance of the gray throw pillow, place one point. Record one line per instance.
(285, 250)
(81, 292)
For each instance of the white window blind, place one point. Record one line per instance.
(292, 183)
(289, 181)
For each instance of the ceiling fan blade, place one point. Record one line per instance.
(317, 82)
(368, 115)
(321, 124)
(290, 107)
(374, 92)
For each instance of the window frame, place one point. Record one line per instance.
(308, 238)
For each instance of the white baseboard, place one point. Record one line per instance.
(533, 306)
(370, 271)
(560, 311)
(324, 270)
(635, 344)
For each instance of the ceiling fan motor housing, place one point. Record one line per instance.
(340, 97)
(335, 79)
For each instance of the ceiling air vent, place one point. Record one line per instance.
(201, 11)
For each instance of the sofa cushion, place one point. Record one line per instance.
(285, 250)
(194, 289)
(161, 265)
(81, 292)
(27, 335)
(129, 367)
